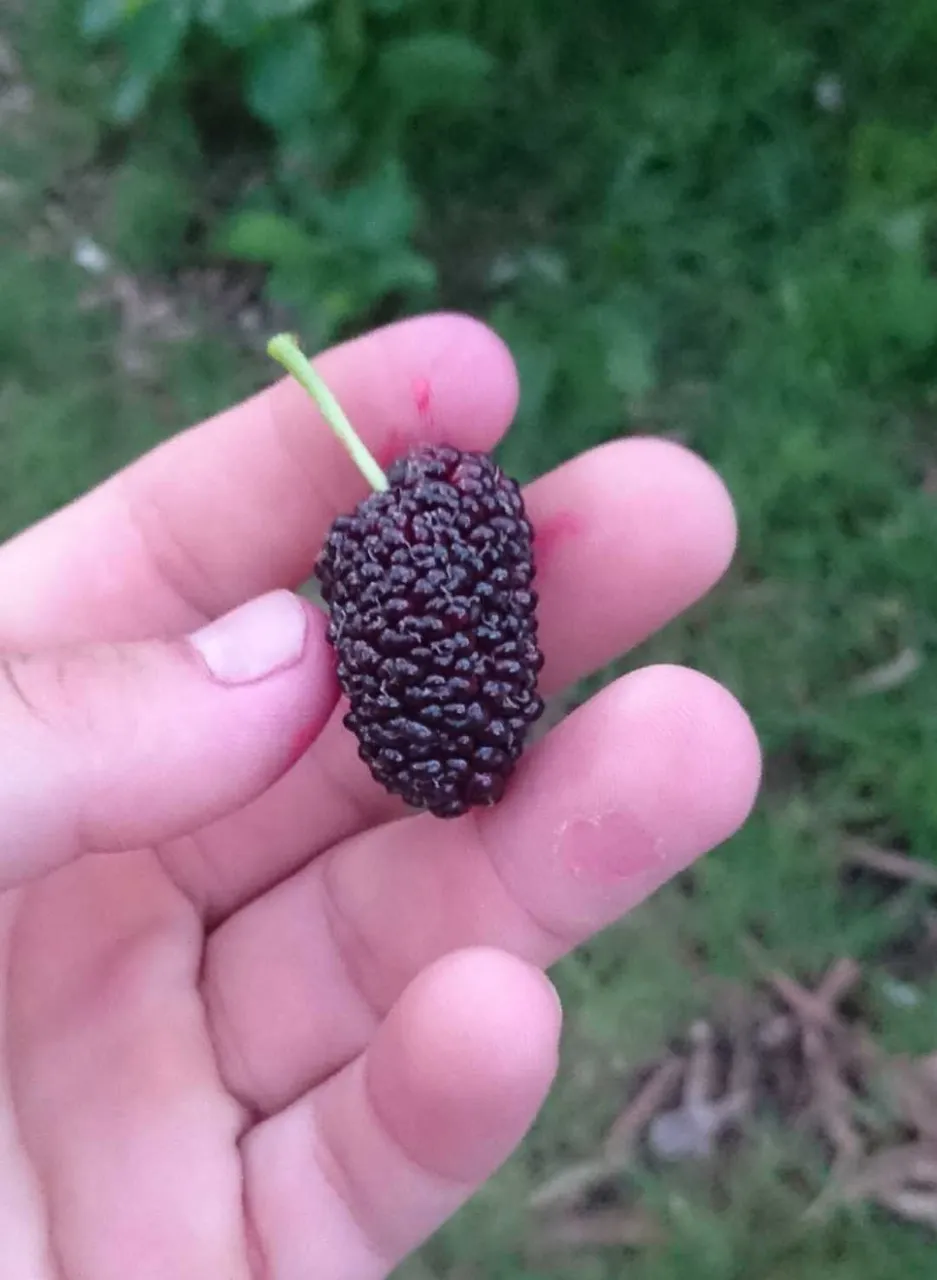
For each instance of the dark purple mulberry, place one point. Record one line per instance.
(433, 620)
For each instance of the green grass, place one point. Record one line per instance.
(675, 234)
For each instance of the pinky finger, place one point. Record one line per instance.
(360, 1171)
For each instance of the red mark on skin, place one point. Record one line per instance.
(397, 443)
(614, 848)
(422, 397)
(549, 534)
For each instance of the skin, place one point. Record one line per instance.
(259, 1023)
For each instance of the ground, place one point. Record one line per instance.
(714, 225)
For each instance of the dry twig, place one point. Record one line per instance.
(631, 1228)
(692, 1129)
(902, 1179)
(911, 1084)
(624, 1134)
(888, 862)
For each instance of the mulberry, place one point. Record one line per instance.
(432, 616)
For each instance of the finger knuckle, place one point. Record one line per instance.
(71, 693)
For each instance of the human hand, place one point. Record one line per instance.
(258, 1021)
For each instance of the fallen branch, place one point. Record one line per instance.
(887, 862)
(632, 1228)
(623, 1135)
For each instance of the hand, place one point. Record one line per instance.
(259, 1022)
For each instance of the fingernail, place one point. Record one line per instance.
(256, 640)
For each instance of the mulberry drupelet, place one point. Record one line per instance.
(429, 586)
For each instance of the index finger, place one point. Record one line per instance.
(240, 505)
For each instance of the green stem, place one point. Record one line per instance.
(284, 349)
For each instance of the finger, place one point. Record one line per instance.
(653, 772)
(23, 1227)
(116, 747)
(627, 537)
(361, 1170)
(240, 505)
(119, 1109)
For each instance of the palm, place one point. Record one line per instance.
(292, 1041)
(112, 1085)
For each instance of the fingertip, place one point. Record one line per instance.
(363, 1168)
(652, 773)
(492, 990)
(465, 1060)
(694, 760)
(694, 708)
(446, 376)
(702, 498)
(627, 537)
(677, 489)
(479, 348)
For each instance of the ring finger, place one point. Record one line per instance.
(654, 771)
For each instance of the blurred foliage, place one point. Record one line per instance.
(333, 88)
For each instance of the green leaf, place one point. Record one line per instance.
(233, 22)
(403, 270)
(155, 34)
(271, 9)
(321, 306)
(374, 215)
(893, 167)
(436, 70)
(238, 22)
(286, 82)
(131, 97)
(269, 238)
(101, 18)
(152, 39)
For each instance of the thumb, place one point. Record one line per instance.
(108, 747)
